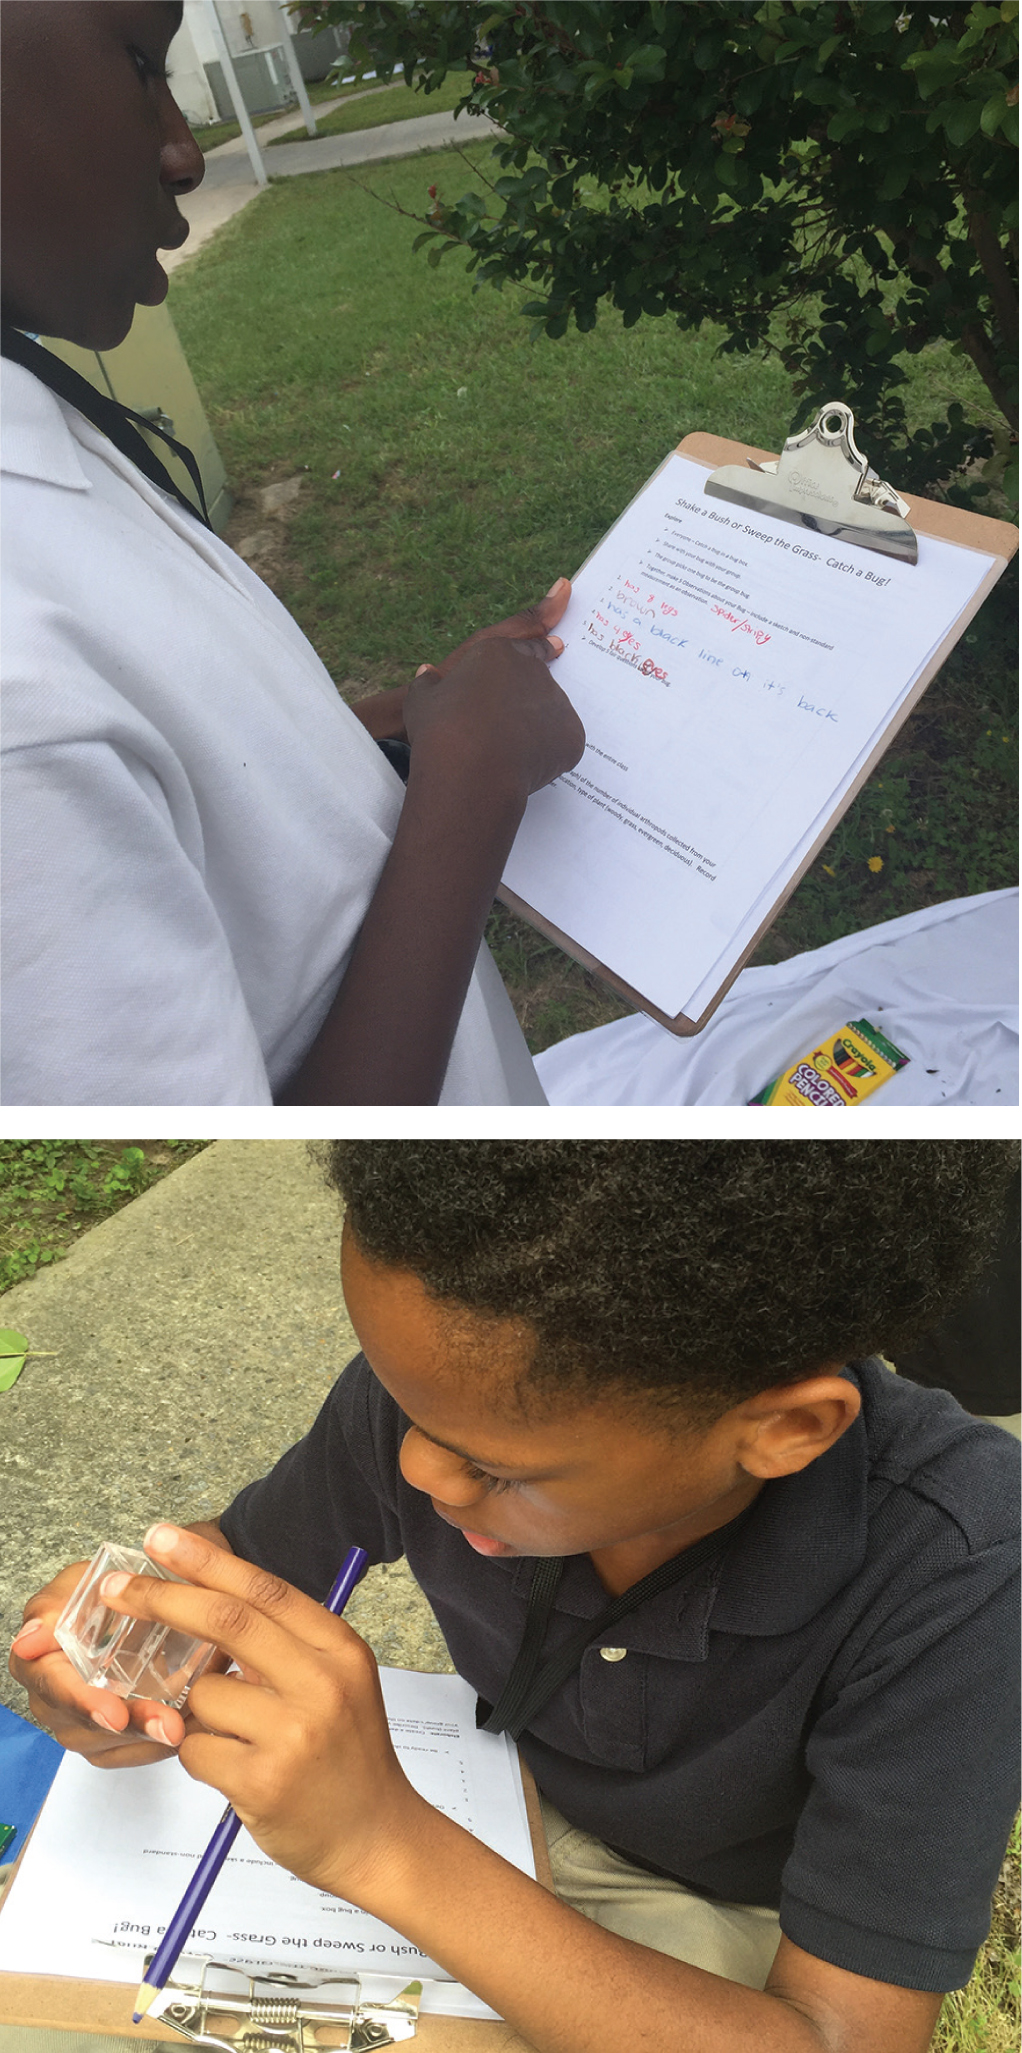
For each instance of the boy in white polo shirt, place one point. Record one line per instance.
(217, 891)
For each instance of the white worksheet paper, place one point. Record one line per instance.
(732, 673)
(114, 1850)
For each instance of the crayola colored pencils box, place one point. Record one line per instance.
(843, 1070)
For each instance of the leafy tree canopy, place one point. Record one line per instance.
(834, 179)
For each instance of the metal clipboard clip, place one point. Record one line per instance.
(220, 2006)
(822, 482)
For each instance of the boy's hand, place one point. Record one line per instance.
(111, 1731)
(383, 712)
(298, 1742)
(496, 719)
(533, 623)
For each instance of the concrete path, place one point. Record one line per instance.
(197, 1333)
(229, 185)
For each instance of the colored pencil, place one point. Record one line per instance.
(171, 1946)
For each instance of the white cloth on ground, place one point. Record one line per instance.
(942, 984)
(194, 822)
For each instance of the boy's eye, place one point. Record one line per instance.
(494, 1484)
(145, 66)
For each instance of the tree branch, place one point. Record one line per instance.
(976, 344)
(995, 270)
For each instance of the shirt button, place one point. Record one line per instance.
(613, 1653)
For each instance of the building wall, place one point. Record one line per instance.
(188, 81)
(252, 26)
(247, 25)
(194, 47)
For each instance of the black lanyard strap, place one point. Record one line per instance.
(502, 1716)
(529, 1686)
(109, 415)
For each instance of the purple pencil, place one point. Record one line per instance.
(171, 1946)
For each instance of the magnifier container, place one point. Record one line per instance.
(132, 1657)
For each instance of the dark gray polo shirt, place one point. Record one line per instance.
(822, 1717)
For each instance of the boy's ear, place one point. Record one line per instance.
(784, 1429)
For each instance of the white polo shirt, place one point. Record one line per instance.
(194, 822)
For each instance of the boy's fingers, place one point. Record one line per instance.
(253, 1616)
(229, 1708)
(546, 647)
(32, 1639)
(54, 1684)
(534, 620)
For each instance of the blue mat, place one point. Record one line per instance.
(29, 1760)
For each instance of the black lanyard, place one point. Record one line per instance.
(529, 1686)
(109, 415)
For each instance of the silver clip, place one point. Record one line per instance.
(822, 481)
(278, 2012)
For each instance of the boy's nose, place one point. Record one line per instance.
(436, 1472)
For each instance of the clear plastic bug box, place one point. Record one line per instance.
(133, 1657)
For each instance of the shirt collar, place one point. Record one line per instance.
(37, 441)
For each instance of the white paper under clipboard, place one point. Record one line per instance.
(591, 876)
(51, 1978)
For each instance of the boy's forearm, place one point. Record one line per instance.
(553, 1974)
(388, 1035)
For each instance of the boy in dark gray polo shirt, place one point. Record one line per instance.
(746, 1597)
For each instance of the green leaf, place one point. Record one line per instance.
(961, 123)
(993, 114)
(13, 1349)
(648, 63)
(841, 125)
(894, 181)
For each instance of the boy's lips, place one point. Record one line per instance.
(484, 1545)
(482, 1542)
(154, 294)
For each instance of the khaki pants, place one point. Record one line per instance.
(736, 1940)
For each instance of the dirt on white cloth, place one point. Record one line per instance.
(942, 984)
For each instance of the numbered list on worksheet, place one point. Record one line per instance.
(731, 672)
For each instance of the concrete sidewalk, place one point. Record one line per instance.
(196, 1332)
(229, 185)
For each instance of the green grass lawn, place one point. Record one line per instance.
(473, 467)
(394, 103)
(52, 1191)
(984, 2017)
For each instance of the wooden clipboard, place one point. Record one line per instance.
(974, 531)
(60, 2003)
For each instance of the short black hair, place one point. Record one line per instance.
(690, 1273)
